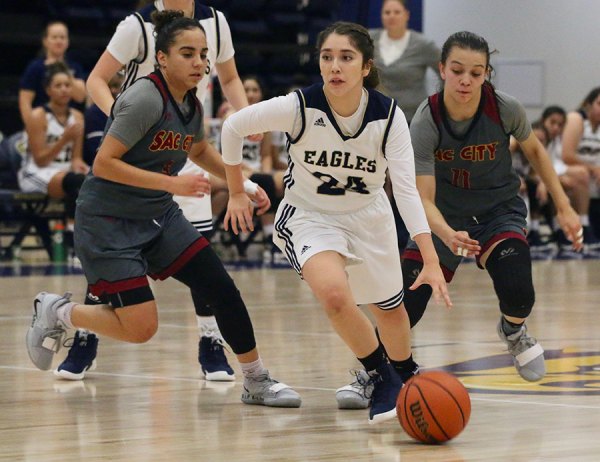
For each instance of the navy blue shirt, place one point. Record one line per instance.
(95, 121)
(35, 74)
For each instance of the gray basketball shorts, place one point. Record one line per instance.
(118, 253)
(509, 220)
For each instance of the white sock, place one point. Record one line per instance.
(64, 314)
(253, 369)
(585, 220)
(207, 326)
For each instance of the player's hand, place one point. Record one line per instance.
(195, 185)
(239, 213)
(73, 131)
(571, 225)
(261, 201)
(461, 244)
(432, 274)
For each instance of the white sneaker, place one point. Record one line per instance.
(265, 391)
(356, 395)
(45, 336)
(527, 353)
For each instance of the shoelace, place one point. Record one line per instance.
(217, 343)
(361, 382)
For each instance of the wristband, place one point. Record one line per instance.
(250, 187)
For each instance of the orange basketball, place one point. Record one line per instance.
(433, 407)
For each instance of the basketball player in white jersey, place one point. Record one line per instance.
(132, 47)
(335, 222)
(53, 164)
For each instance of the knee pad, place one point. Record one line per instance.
(72, 182)
(205, 275)
(509, 266)
(415, 301)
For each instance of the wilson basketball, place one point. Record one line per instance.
(433, 407)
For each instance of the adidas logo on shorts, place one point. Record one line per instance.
(304, 249)
(320, 122)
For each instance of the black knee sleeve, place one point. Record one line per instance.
(71, 184)
(205, 275)
(415, 301)
(201, 306)
(509, 266)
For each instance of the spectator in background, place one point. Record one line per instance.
(575, 179)
(534, 193)
(53, 164)
(95, 121)
(55, 42)
(403, 56)
(581, 146)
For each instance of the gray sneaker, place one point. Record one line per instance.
(265, 391)
(356, 395)
(45, 336)
(528, 355)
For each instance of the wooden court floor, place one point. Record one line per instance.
(148, 402)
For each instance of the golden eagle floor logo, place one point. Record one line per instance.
(570, 371)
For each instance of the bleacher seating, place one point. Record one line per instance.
(25, 214)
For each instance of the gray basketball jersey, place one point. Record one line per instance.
(163, 149)
(345, 171)
(473, 172)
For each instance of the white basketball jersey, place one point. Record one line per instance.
(252, 155)
(343, 172)
(589, 145)
(54, 131)
(140, 25)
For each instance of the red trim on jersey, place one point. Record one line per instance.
(106, 287)
(434, 107)
(501, 237)
(415, 255)
(490, 107)
(160, 86)
(182, 259)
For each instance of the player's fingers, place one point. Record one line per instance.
(446, 297)
(226, 221)
(579, 236)
(461, 251)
